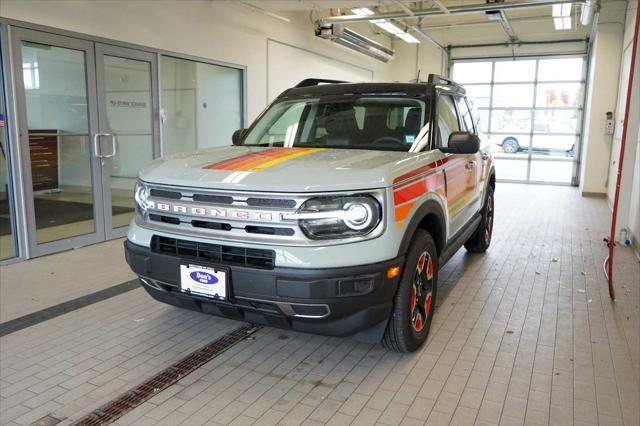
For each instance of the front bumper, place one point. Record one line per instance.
(330, 301)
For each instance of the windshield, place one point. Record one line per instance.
(376, 122)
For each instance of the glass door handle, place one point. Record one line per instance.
(114, 145)
(97, 146)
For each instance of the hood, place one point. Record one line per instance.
(280, 169)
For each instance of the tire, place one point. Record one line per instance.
(510, 145)
(481, 238)
(415, 298)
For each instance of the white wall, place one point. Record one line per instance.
(602, 96)
(629, 202)
(221, 31)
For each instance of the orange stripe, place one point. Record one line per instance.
(403, 211)
(261, 160)
(245, 159)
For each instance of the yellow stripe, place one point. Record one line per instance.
(455, 207)
(282, 159)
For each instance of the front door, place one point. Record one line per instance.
(86, 124)
(128, 125)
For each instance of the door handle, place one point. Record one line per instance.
(470, 165)
(114, 145)
(97, 146)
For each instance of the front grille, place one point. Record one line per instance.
(271, 202)
(174, 195)
(214, 253)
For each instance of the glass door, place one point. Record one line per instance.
(126, 139)
(55, 88)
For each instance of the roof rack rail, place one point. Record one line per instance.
(435, 79)
(316, 81)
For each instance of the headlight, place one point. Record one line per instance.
(141, 195)
(338, 217)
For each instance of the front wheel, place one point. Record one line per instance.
(414, 302)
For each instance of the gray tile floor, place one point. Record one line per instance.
(525, 334)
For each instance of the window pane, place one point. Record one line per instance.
(472, 72)
(59, 141)
(7, 241)
(479, 95)
(447, 119)
(510, 120)
(513, 95)
(554, 145)
(559, 95)
(551, 171)
(508, 71)
(511, 169)
(510, 145)
(465, 115)
(483, 120)
(556, 121)
(201, 104)
(560, 69)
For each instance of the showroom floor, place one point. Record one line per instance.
(523, 334)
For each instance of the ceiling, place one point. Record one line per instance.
(533, 23)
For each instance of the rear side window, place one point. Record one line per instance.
(465, 115)
(447, 119)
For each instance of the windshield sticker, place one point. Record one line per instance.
(409, 139)
(256, 161)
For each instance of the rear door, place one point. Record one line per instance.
(460, 169)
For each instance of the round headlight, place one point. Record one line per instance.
(357, 216)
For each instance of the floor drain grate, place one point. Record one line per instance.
(116, 408)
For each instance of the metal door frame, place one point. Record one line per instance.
(17, 36)
(121, 52)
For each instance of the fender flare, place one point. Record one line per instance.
(432, 207)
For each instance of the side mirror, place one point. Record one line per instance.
(462, 143)
(237, 136)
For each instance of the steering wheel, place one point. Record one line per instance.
(387, 139)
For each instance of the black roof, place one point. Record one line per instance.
(337, 89)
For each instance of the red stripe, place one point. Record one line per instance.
(409, 192)
(420, 170)
(232, 162)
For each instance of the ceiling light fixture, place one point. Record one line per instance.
(351, 39)
(386, 25)
(562, 16)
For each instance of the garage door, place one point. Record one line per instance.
(531, 111)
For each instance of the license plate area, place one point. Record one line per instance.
(208, 281)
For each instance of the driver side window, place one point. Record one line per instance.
(447, 119)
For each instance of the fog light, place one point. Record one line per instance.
(393, 272)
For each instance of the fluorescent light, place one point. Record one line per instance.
(362, 11)
(561, 10)
(349, 38)
(386, 25)
(408, 38)
(562, 23)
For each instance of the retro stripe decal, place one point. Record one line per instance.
(430, 178)
(261, 160)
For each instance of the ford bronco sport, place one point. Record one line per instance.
(331, 214)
